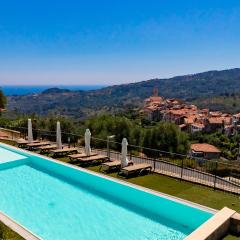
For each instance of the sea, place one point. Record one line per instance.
(23, 90)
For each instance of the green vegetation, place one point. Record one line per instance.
(230, 237)
(226, 102)
(7, 234)
(229, 146)
(47, 123)
(163, 135)
(3, 101)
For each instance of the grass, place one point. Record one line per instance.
(7, 234)
(182, 189)
(230, 237)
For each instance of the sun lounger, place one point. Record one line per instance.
(4, 136)
(63, 152)
(23, 143)
(111, 166)
(37, 144)
(92, 159)
(108, 166)
(135, 169)
(75, 157)
(47, 149)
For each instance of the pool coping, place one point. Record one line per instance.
(214, 228)
(132, 185)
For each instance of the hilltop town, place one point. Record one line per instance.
(189, 117)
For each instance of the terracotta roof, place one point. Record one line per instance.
(227, 120)
(190, 119)
(215, 120)
(183, 111)
(226, 115)
(204, 147)
(155, 99)
(215, 114)
(237, 115)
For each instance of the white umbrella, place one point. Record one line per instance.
(124, 160)
(59, 137)
(87, 142)
(30, 133)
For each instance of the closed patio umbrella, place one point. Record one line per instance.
(30, 133)
(59, 137)
(124, 160)
(87, 142)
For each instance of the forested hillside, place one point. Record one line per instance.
(225, 102)
(121, 97)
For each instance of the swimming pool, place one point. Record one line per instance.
(59, 202)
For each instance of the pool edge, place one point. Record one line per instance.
(132, 185)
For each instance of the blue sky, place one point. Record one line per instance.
(111, 42)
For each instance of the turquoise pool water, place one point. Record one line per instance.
(61, 203)
(7, 156)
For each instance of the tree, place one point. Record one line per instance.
(165, 137)
(3, 100)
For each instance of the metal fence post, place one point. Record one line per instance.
(108, 150)
(181, 171)
(154, 164)
(215, 175)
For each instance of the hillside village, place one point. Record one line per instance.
(189, 117)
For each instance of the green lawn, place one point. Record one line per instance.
(8, 234)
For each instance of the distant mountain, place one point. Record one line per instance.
(116, 98)
(55, 90)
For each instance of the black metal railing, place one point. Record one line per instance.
(217, 174)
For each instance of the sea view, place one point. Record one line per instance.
(23, 90)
